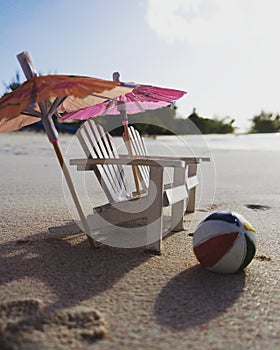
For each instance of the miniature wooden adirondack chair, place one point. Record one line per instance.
(124, 206)
(139, 148)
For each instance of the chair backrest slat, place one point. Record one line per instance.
(139, 149)
(90, 151)
(111, 152)
(96, 144)
(96, 136)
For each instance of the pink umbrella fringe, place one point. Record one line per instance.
(140, 99)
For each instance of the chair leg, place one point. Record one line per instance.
(154, 233)
(191, 201)
(177, 210)
(154, 222)
(192, 172)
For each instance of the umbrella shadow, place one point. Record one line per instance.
(72, 270)
(196, 296)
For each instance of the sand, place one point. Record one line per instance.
(57, 293)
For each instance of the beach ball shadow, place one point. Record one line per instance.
(196, 296)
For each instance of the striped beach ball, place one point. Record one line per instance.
(224, 242)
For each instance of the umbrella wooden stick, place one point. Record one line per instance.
(73, 192)
(129, 148)
(29, 70)
(123, 113)
(48, 122)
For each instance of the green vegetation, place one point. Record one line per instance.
(14, 83)
(212, 126)
(265, 123)
(165, 122)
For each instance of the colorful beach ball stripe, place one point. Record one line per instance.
(224, 242)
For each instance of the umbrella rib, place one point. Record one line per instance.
(30, 111)
(56, 104)
(105, 97)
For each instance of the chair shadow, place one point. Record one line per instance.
(72, 270)
(196, 296)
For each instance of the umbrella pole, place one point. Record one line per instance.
(122, 110)
(129, 148)
(30, 72)
(73, 192)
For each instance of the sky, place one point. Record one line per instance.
(224, 53)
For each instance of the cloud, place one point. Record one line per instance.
(194, 21)
(211, 22)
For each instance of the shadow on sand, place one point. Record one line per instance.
(72, 270)
(196, 296)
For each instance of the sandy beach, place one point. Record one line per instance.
(57, 293)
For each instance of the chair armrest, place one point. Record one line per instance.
(195, 160)
(187, 160)
(90, 164)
